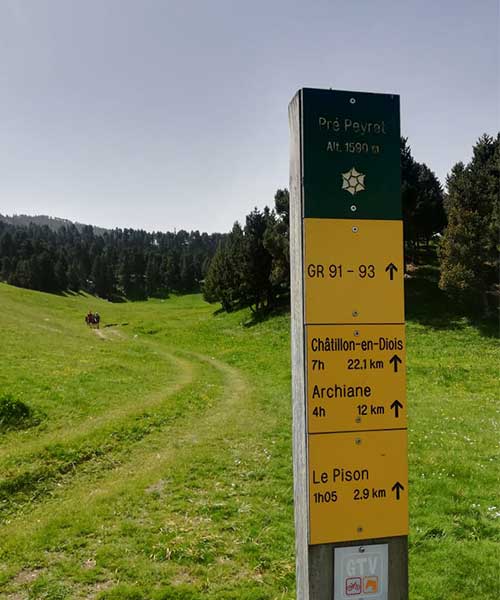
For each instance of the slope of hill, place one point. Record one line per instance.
(54, 223)
(158, 462)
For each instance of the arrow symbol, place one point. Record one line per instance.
(391, 267)
(394, 361)
(396, 405)
(397, 487)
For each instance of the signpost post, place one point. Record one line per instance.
(348, 346)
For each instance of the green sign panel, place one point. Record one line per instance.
(351, 154)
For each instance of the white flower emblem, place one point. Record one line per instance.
(353, 182)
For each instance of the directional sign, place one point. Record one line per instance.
(358, 485)
(353, 271)
(348, 340)
(354, 377)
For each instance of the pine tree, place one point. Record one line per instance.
(152, 275)
(186, 273)
(60, 272)
(225, 281)
(74, 276)
(170, 275)
(43, 276)
(125, 276)
(102, 276)
(469, 248)
(215, 288)
(21, 274)
(429, 217)
(422, 202)
(259, 260)
(277, 243)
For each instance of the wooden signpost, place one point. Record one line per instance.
(348, 346)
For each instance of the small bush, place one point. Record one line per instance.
(15, 414)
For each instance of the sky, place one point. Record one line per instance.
(172, 114)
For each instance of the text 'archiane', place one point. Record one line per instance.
(342, 391)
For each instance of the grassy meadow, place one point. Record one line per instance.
(155, 462)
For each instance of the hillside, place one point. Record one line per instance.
(156, 462)
(53, 223)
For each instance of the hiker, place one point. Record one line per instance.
(97, 319)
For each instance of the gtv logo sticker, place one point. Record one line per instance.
(361, 572)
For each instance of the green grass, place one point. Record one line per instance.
(156, 463)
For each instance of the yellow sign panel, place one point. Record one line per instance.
(356, 377)
(353, 271)
(358, 486)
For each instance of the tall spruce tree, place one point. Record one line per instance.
(187, 274)
(469, 248)
(153, 275)
(258, 264)
(226, 277)
(103, 276)
(61, 273)
(422, 202)
(277, 243)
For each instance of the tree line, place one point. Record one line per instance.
(112, 264)
(250, 265)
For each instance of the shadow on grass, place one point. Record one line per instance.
(427, 304)
(265, 315)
